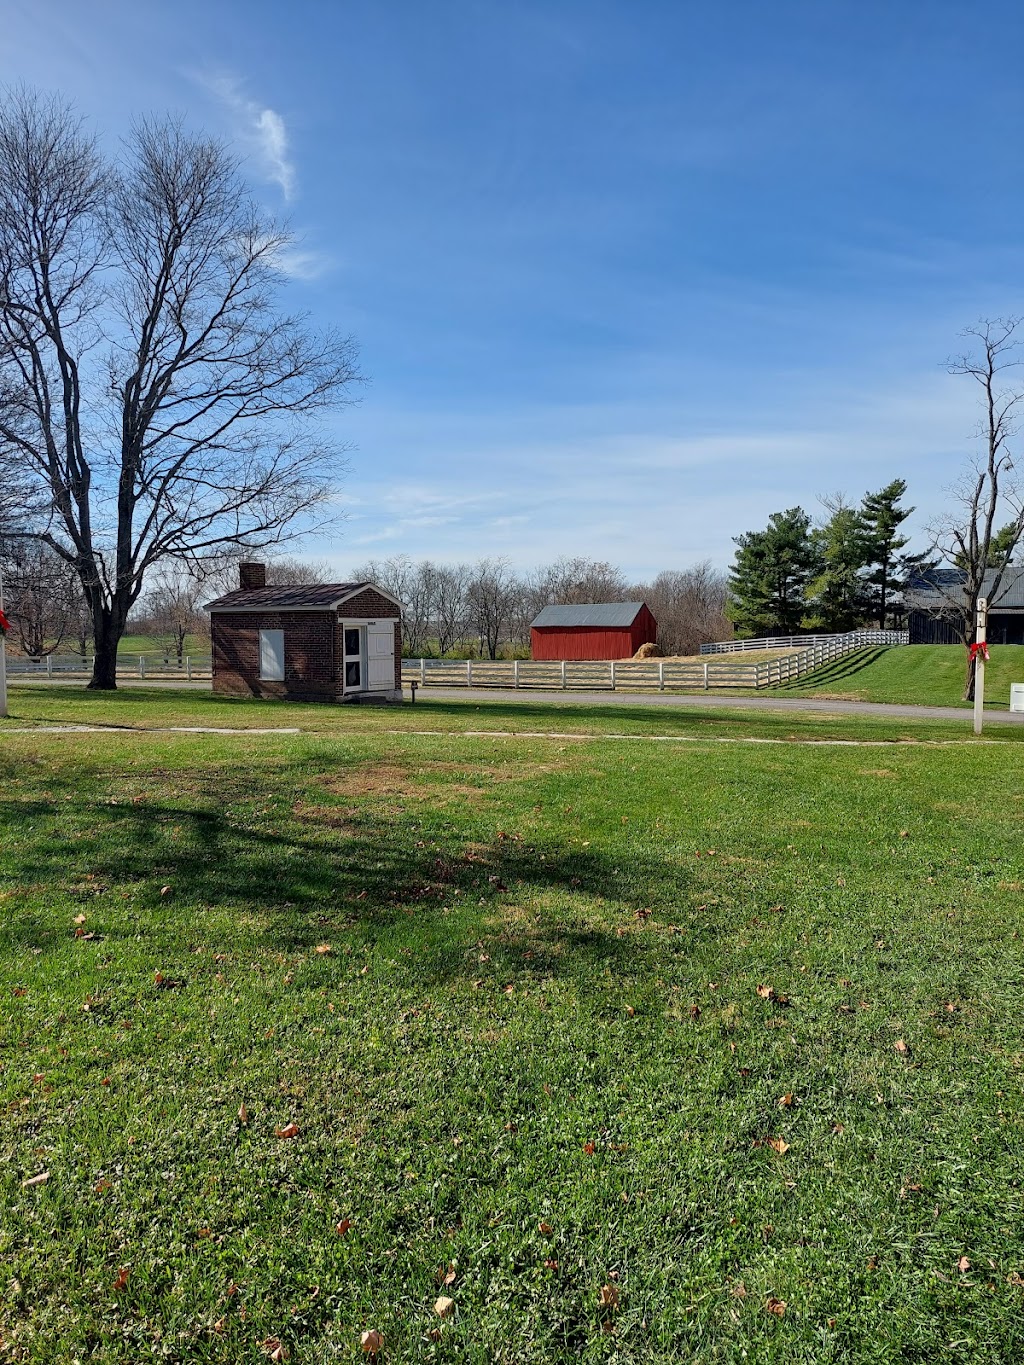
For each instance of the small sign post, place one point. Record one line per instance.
(980, 653)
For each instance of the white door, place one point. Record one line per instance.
(380, 656)
(352, 659)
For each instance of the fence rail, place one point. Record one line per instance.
(653, 674)
(864, 637)
(128, 665)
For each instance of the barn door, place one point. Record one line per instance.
(380, 656)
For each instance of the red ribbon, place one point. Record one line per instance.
(979, 648)
(5, 625)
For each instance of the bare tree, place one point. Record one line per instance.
(689, 607)
(42, 594)
(405, 580)
(449, 611)
(154, 403)
(174, 608)
(490, 595)
(970, 537)
(283, 570)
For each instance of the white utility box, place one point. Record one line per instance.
(1017, 696)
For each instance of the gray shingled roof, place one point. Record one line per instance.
(306, 596)
(925, 594)
(619, 614)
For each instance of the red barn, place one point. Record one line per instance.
(594, 630)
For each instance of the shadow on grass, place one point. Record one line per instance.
(837, 671)
(293, 879)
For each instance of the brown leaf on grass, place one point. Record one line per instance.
(588, 1149)
(79, 919)
(765, 992)
(290, 1130)
(838, 1129)
(205, 1233)
(776, 1306)
(219, 1325)
(903, 1049)
(101, 1186)
(19, 990)
(609, 1297)
(324, 948)
(911, 1189)
(444, 1307)
(786, 1101)
(872, 1263)
(343, 1227)
(39, 1179)
(545, 1229)
(243, 1113)
(165, 891)
(963, 1265)
(274, 1348)
(372, 1342)
(122, 1279)
(446, 1274)
(779, 1145)
(694, 1011)
(630, 1011)
(551, 1264)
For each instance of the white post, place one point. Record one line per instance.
(563, 675)
(423, 673)
(705, 677)
(515, 672)
(979, 665)
(661, 675)
(469, 672)
(142, 665)
(188, 668)
(49, 665)
(613, 675)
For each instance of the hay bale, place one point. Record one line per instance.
(649, 651)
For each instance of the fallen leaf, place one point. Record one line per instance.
(838, 1128)
(963, 1265)
(444, 1307)
(122, 1279)
(779, 1145)
(39, 1179)
(79, 919)
(609, 1296)
(218, 1326)
(274, 1348)
(545, 1229)
(551, 1264)
(324, 948)
(588, 1149)
(765, 992)
(786, 1101)
(372, 1341)
(204, 1233)
(872, 1263)
(243, 1113)
(445, 1274)
(694, 1011)
(630, 1011)
(902, 1048)
(776, 1306)
(290, 1130)
(343, 1227)
(101, 1185)
(165, 891)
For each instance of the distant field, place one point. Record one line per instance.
(928, 675)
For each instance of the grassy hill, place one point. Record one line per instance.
(928, 675)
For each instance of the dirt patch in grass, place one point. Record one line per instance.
(876, 772)
(436, 781)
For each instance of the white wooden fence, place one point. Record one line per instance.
(862, 637)
(647, 674)
(128, 665)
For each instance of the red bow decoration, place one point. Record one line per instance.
(5, 625)
(980, 648)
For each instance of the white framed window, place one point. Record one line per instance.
(272, 655)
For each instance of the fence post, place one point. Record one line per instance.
(469, 672)
(563, 675)
(515, 672)
(188, 668)
(705, 677)
(142, 665)
(49, 665)
(611, 674)
(661, 675)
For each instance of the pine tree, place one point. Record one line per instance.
(880, 517)
(769, 575)
(836, 595)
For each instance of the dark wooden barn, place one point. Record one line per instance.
(935, 603)
(594, 630)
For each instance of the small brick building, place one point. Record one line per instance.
(310, 642)
(592, 630)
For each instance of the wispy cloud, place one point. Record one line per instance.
(260, 128)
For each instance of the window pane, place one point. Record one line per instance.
(272, 655)
(352, 641)
(352, 673)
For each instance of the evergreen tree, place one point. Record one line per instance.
(836, 594)
(769, 575)
(880, 517)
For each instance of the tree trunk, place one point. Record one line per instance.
(969, 678)
(106, 638)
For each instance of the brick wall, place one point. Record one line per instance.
(308, 654)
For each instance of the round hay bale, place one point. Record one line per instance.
(649, 651)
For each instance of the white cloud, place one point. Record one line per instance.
(260, 128)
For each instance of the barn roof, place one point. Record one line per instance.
(936, 586)
(620, 614)
(298, 597)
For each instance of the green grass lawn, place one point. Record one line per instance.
(541, 1016)
(926, 675)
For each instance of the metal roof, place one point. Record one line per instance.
(298, 597)
(619, 614)
(941, 585)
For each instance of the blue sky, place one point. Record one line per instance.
(626, 277)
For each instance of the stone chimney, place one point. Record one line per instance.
(252, 576)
